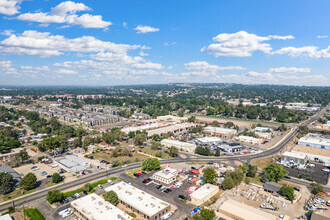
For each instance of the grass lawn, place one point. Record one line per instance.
(263, 162)
(93, 185)
(106, 155)
(149, 151)
(34, 214)
(256, 180)
(18, 193)
(53, 184)
(131, 172)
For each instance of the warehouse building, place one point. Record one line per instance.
(250, 140)
(94, 207)
(315, 154)
(183, 146)
(231, 148)
(73, 164)
(203, 194)
(225, 132)
(165, 177)
(236, 210)
(144, 204)
(314, 140)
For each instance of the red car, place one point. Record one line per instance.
(139, 174)
(146, 181)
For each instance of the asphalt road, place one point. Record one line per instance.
(80, 181)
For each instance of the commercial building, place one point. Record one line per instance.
(183, 146)
(220, 131)
(73, 164)
(6, 217)
(203, 194)
(165, 177)
(262, 129)
(264, 135)
(250, 140)
(231, 148)
(144, 204)
(94, 207)
(293, 159)
(314, 140)
(171, 118)
(208, 141)
(240, 211)
(176, 129)
(315, 154)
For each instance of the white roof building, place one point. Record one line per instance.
(140, 201)
(94, 207)
(220, 131)
(209, 140)
(313, 140)
(165, 177)
(293, 159)
(249, 139)
(183, 146)
(203, 194)
(176, 129)
(5, 217)
(73, 164)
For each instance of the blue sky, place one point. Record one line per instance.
(140, 42)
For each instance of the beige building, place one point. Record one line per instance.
(250, 140)
(220, 131)
(240, 211)
(165, 177)
(144, 204)
(203, 194)
(94, 207)
(182, 146)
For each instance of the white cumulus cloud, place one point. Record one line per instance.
(308, 51)
(65, 13)
(143, 29)
(9, 7)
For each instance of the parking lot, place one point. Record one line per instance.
(42, 167)
(315, 172)
(171, 197)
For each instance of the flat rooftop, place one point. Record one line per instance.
(167, 173)
(220, 130)
(311, 150)
(204, 191)
(294, 155)
(138, 199)
(209, 139)
(315, 140)
(94, 207)
(236, 209)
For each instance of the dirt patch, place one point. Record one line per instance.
(263, 162)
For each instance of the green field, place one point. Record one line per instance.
(34, 214)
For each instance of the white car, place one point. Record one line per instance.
(67, 214)
(125, 165)
(63, 211)
(77, 195)
(326, 170)
(111, 182)
(100, 186)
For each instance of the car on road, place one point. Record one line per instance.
(43, 173)
(77, 195)
(159, 186)
(125, 165)
(182, 197)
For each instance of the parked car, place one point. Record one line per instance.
(144, 173)
(77, 195)
(328, 203)
(135, 175)
(182, 197)
(146, 181)
(159, 186)
(296, 188)
(49, 176)
(167, 190)
(111, 182)
(193, 168)
(100, 186)
(43, 173)
(85, 193)
(73, 197)
(139, 174)
(34, 168)
(65, 199)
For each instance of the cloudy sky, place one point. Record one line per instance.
(53, 42)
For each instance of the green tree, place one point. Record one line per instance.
(215, 123)
(139, 139)
(111, 197)
(77, 142)
(303, 129)
(287, 191)
(209, 175)
(217, 152)
(173, 151)
(229, 124)
(6, 183)
(274, 172)
(23, 155)
(150, 164)
(252, 170)
(155, 145)
(316, 188)
(131, 134)
(54, 196)
(282, 128)
(228, 183)
(204, 214)
(56, 178)
(87, 187)
(156, 137)
(29, 181)
(192, 119)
